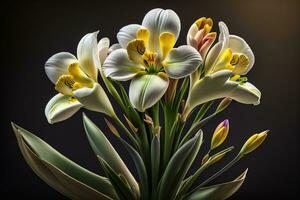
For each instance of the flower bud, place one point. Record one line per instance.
(223, 104)
(220, 134)
(199, 35)
(253, 142)
(112, 128)
(218, 156)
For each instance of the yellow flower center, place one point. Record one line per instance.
(137, 49)
(76, 79)
(234, 62)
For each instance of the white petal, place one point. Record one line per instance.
(182, 61)
(218, 85)
(58, 64)
(114, 47)
(103, 46)
(118, 66)
(247, 94)
(239, 45)
(127, 33)
(94, 99)
(158, 21)
(146, 90)
(212, 56)
(87, 53)
(192, 32)
(60, 108)
(224, 32)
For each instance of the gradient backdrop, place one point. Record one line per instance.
(35, 30)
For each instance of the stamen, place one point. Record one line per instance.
(65, 84)
(239, 62)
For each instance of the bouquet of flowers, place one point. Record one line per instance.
(158, 129)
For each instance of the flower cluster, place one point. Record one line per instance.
(178, 80)
(146, 56)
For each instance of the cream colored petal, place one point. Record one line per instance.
(103, 47)
(218, 85)
(191, 33)
(58, 64)
(114, 47)
(239, 45)
(218, 48)
(224, 32)
(182, 61)
(88, 57)
(158, 21)
(212, 56)
(60, 108)
(127, 33)
(94, 99)
(118, 66)
(146, 90)
(246, 93)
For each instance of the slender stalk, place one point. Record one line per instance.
(126, 131)
(229, 165)
(203, 110)
(155, 114)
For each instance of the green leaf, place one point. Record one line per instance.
(141, 169)
(102, 147)
(178, 167)
(119, 181)
(155, 160)
(219, 191)
(59, 172)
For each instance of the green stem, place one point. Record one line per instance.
(229, 165)
(126, 131)
(155, 114)
(203, 110)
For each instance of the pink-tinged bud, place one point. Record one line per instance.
(207, 41)
(199, 35)
(220, 134)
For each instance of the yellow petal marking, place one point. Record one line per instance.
(205, 23)
(143, 34)
(224, 61)
(135, 50)
(65, 84)
(166, 42)
(79, 76)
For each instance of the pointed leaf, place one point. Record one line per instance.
(178, 167)
(59, 172)
(141, 169)
(102, 147)
(219, 191)
(155, 159)
(119, 182)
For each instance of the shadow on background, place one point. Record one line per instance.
(35, 30)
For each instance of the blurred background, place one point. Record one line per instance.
(32, 31)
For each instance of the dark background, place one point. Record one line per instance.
(35, 30)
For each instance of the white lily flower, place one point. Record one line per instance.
(149, 58)
(76, 80)
(225, 64)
